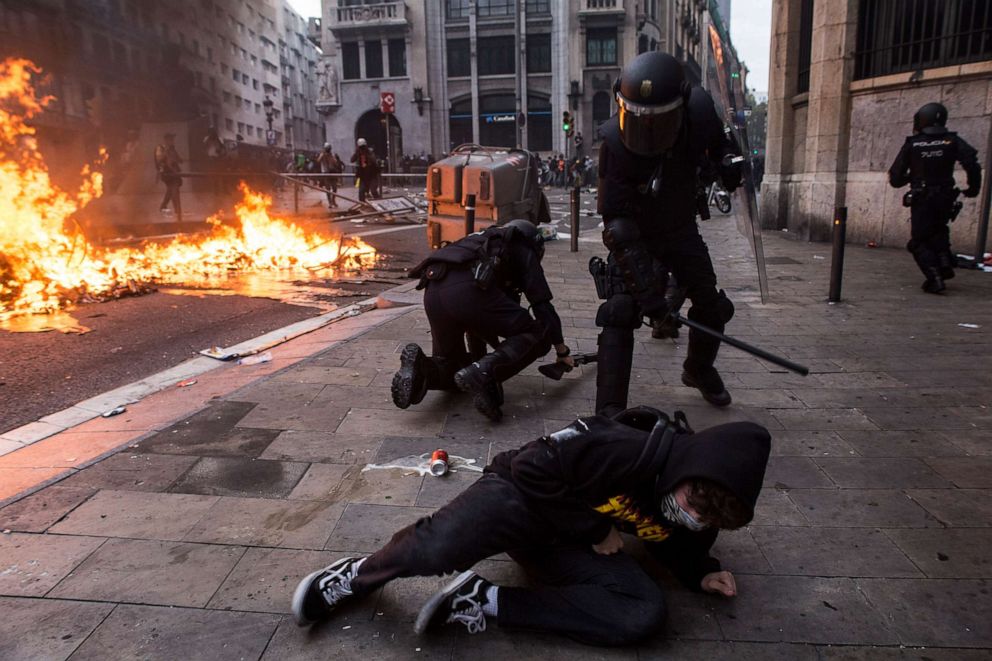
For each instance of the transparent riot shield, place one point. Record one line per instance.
(723, 79)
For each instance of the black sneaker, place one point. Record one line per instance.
(409, 382)
(934, 286)
(487, 393)
(321, 592)
(459, 602)
(709, 384)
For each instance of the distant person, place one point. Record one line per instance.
(330, 163)
(926, 163)
(215, 151)
(367, 169)
(168, 163)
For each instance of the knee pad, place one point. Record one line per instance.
(619, 311)
(715, 312)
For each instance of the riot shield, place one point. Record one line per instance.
(723, 79)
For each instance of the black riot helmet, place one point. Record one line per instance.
(931, 114)
(652, 93)
(528, 233)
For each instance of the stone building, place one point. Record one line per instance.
(493, 72)
(846, 78)
(114, 64)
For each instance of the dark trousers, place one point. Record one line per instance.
(930, 237)
(595, 599)
(455, 307)
(172, 187)
(682, 251)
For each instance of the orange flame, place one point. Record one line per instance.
(45, 267)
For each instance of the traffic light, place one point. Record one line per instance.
(566, 122)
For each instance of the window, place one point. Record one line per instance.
(538, 6)
(350, 64)
(244, 79)
(895, 37)
(457, 8)
(539, 53)
(251, 130)
(229, 123)
(236, 75)
(397, 57)
(227, 97)
(494, 7)
(642, 44)
(496, 56)
(254, 84)
(459, 62)
(805, 45)
(539, 130)
(601, 46)
(373, 59)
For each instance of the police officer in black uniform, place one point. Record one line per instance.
(473, 287)
(665, 133)
(926, 162)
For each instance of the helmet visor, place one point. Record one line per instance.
(649, 130)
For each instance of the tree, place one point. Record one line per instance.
(757, 122)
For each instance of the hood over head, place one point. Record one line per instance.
(733, 455)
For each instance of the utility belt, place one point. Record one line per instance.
(921, 191)
(483, 272)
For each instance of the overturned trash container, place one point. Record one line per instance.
(503, 181)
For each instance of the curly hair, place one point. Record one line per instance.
(717, 506)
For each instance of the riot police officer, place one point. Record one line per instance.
(926, 162)
(473, 288)
(665, 133)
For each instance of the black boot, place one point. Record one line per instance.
(487, 393)
(947, 263)
(410, 381)
(698, 371)
(934, 284)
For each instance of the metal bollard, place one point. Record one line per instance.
(575, 199)
(837, 260)
(296, 198)
(469, 214)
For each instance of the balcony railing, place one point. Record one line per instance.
(383, 14)
(601, 6)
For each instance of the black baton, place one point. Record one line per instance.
(744, 346)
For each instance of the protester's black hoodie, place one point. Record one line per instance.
(599, 472)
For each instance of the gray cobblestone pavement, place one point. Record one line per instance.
(871, 540)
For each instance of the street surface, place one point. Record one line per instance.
(131, 338)
(179, 530)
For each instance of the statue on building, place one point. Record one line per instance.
(327, 82)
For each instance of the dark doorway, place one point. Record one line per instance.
(372, 127)
(498, 120)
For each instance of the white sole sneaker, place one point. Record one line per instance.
(426, 613)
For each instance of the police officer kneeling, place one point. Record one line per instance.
(473, 288)
(665, 133)
(926, 162)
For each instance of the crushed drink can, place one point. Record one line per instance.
(439, 463)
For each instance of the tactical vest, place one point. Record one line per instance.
(931, 159)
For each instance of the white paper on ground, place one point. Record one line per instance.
(420, 463)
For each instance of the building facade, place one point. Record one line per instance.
(491, 72)
(846, 78)
(114, 64)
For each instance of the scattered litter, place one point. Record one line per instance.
(256, 359)
(871, 244)
(439, 463)
(116, 349)
(549, 232)
(356, 374)
(116, 411)
(785, 229)
(818, 257)
(186, 384)
(420, 464)
(346, 627)
(969, 325)
(6, 531)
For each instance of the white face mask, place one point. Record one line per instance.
(674, 512)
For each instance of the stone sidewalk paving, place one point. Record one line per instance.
(871, 540)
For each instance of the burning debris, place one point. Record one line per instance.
(46, 264)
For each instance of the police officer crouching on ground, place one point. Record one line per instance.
(666, 131)
(926, 162)
(473, 288)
